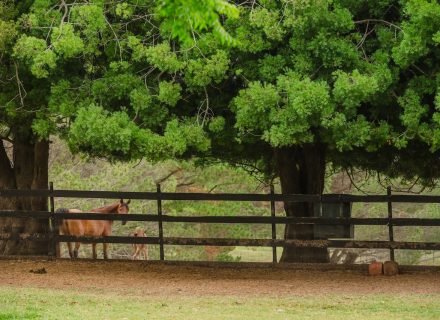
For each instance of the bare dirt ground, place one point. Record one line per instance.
(143, 279)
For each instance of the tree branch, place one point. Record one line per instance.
(116, 37)
(204, 112)
(63, 6)
(185, 184)
(379, 21)
(19, 86)
(168, 176)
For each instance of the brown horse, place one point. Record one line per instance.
(91, 228)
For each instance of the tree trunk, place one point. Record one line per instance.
(27, 170)
(301, 171)
(40, 180)
(7, 181)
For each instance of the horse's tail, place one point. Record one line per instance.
(62, 210)
(64, 226)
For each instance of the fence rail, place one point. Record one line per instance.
(235, 242)
(312, 198)
(399, 222)
(54, 238)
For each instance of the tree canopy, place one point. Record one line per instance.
(358, 76)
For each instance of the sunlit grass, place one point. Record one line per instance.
(54, 304)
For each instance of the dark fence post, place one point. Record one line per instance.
(274, 226)
(159, 213)
(53, 225)
(390, 225)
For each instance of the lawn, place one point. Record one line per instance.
(25, 303)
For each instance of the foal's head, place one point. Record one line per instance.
(139, 232)
(123, 208)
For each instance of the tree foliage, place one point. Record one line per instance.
(360, 77)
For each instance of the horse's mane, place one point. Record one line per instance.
(106, 209)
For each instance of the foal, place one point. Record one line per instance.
(140, 247)
(91, 228)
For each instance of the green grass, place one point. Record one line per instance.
(54, 304)
(254, 254)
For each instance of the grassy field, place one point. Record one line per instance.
(54, 304)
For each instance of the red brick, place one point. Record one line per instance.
(375, 269)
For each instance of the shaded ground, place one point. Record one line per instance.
(144, 279)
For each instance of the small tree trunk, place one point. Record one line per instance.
(301, 171)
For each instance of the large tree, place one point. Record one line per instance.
(303, 84)
(47, 46)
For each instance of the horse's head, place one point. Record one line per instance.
(123, 208)
(139, 232)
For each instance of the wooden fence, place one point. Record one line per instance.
(54, 238)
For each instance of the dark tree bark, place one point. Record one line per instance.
(7, 181)
(301, 171)
(27, 169)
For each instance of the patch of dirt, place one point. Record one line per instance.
(145, 279)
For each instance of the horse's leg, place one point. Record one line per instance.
(74, 228)
(69, 247)
(64, 230)
(107, 232)
(146, 252)
(105, 247)
(94, 251)
(75, 252)
(136, 253)
(133, 256)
